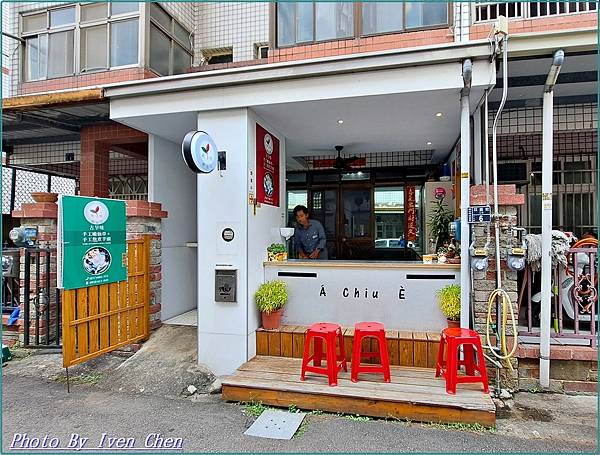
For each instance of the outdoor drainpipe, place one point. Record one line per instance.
(548, 105)
(465, 194)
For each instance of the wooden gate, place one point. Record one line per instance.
(100, 319)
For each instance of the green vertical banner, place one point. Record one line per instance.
(91, 241)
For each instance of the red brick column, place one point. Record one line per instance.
(144, 219)
(94, 164)
(44, 216)
(485, 282)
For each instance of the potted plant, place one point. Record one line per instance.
(276, 252)
(449, 301)
(270, 300)
(438, 223)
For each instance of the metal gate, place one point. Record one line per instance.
(100, 319)
(41, 299)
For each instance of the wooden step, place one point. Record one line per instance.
(418, 349)
(414, 393)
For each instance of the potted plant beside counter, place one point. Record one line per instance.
(270, 299)
(449, 301)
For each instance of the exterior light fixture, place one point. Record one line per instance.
(340, 121)
(428, 142)
(438, 114)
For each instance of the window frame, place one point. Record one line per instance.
(358, 29)
(77, 28)
(173, 39)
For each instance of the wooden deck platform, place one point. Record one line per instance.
(413, 394)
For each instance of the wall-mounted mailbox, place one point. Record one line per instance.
(225, 285)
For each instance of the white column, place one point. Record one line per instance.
(465, 161)
(222, 203)
(546, 239)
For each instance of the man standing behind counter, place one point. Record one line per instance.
(309, 236)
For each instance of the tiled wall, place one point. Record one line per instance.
(231, 25)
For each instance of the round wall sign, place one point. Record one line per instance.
(95, 212)
(199, 152)
(228, 234)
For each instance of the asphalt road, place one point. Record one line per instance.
(39, 407)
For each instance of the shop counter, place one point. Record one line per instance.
(401, 295)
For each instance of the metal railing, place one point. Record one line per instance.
(574, 299)
(489, 11)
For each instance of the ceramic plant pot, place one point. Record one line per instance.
(453, 324)
(271, 321)
(44, 197)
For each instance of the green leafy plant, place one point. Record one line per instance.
(271, 296)
(449, 301)
(276, 248)
(255, 408)
(439, 221)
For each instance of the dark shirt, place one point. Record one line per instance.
(311, 238)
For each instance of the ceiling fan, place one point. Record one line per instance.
(343, 163)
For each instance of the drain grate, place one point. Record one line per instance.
(276, 424)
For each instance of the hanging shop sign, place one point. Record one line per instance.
(91, 241)
(267, 167)
(411, 214)
(199, 152)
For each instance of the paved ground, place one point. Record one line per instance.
(35, 402)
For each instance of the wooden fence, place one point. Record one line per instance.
(100, 319)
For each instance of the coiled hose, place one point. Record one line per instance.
(505, 299)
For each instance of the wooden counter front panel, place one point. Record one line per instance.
(418, 349)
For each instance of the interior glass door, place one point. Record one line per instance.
(324, 209)
(356, 222)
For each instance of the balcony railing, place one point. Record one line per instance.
(489, 11)
(574, 300)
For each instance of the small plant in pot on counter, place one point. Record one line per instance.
(277, 252)
(270, 299)
(449, 301)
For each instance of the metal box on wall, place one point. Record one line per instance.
(225, 285)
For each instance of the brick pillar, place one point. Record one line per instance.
(44, 216)
(94, 165)
(144, 218)
(485, 283)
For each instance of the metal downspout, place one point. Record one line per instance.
(547, 110)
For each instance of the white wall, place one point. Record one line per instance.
(263, 228)
(222, 202)
(173, 184)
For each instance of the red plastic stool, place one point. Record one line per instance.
(373, 330)
(328, 332)
(469, 339)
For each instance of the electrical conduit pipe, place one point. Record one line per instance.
(465, 194)
(547, 116)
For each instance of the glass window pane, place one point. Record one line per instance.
(334, 20)
(294, 198)
(60, 54)
(304, 22)
(181, 60)
(123, 7)
(157, 13)
(389, 217)
(36, 50)
(124, 43)
(424, 14)
(285, 23)
(182, 35)
(93, 12)
(94, 54)
(381, 17)
(160, 46)
(62, 17)
(34, 22)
